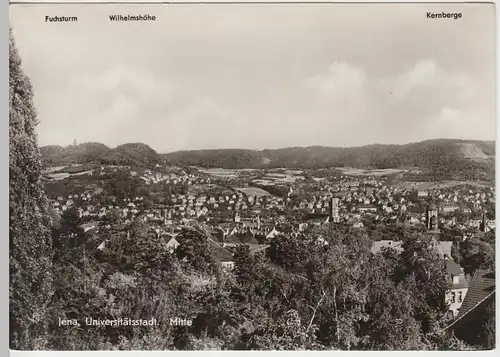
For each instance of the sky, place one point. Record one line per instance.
(259, 76)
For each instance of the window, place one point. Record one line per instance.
(456, 279)
(460, 296)
(453, 298)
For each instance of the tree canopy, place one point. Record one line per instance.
(30, 239)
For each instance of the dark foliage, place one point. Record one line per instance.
(30, 238)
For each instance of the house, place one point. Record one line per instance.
(102, 246)
(443, 248)
(422, 193)
(471, 317)
(256, 248)
(239, 238)
(89, 226)
(378, 245)
(172, 244)
(367, 208)
(221, 255)
(458, 288)
(274, 232)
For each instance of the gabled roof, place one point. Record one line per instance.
(172, 242)
(255, 248)
(444, 248)
(218, 253)
(241, 238)
(481, 287)
(453, 268)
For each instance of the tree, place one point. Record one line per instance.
(30, 237)
(122, 185)
(194, 248)
(243, 265)
(287, 332)
(71, 221)
(113, 216)
(488, 328)
(425, 272)
(476, 254)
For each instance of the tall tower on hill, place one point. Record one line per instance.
(74, 142)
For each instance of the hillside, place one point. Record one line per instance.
(126, 154)
(131, 154)
(55, 155)
(445, 156)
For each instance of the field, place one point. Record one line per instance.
(435, 185)
(208, 188)
(253, 191)
(63, 175)
(368, 172)
(224, 173)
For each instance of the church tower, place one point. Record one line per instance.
(431, 217)
(334, 210)
(484, 223)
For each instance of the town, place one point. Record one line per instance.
(250, 207)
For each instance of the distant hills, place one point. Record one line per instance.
(442, 155)
(56, 155)
(424, 154)
(131, 154)
(127, 154)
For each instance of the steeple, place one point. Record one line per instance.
(334, 210)
(431, 217)
(484, 223)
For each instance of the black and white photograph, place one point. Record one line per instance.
(312, 177)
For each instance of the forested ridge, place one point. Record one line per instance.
(442, 158)
(427, 154)
(137, 154)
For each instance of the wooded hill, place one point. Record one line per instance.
(424, 154)
(445, 158)
(126, 154)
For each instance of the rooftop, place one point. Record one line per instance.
(220, 254)
(378, 245)
(481, 286)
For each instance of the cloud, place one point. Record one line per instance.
(341, 79)
(427, 75)
(454, 123)
(268, 77)
(412, 105)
